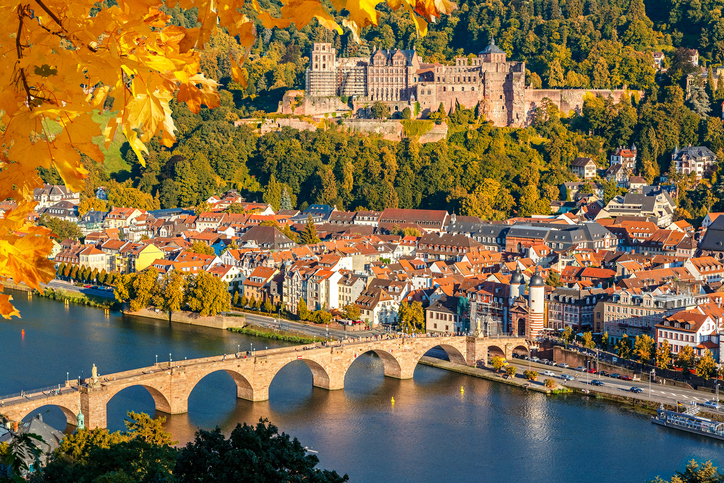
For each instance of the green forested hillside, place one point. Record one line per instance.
(482, 170)
(565, 43)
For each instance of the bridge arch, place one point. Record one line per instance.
(161, 401)
(321, 376)
(244, 389)
(390, 364)
(521, 350)
(495, 351)
(70, 416)
(453, 353)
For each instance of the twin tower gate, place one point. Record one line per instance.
(170, 384)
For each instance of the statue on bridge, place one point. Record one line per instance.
(80, 420)
(94, 376)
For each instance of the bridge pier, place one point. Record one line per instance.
(93, 406)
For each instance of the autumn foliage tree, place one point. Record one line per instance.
(63, 60)
(208, 295)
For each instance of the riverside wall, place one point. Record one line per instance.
(191, 318)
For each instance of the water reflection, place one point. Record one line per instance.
(433, 432)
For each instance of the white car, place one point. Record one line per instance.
(549, 373)
(534, 359)
(564, 365)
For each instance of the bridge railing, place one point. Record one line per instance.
(43, 392)
(165, 366)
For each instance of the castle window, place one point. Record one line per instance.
(316, 66)
(444, 89)
(473, 89)
(324, 66)
(452, 89)
(463, 88)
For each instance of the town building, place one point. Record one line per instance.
(442, 316)
(635, 312)
(584, 168)
(698, 160)
(573, 307)
(626, 157)
(694, 328)
(51, 194)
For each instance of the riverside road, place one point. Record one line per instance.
(658, 393)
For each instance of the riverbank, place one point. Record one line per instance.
(66, 296)
(281, 335)
(536, 386)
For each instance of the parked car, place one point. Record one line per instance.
(581, 369)
(616, 375)
(713, 405)
(625, 378)
(549, 373)
(534, 359)
(564, 365)
(545, 361)
(553, 364)
(591, 371)
(635, 389)
(597, 382)
(604, 373)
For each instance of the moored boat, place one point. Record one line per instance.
(689, 423)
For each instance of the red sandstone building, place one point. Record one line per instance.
(400, 79)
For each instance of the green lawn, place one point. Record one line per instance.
(114, 162)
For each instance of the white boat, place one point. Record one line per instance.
(689, 423)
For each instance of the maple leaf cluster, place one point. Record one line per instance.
(62, 59)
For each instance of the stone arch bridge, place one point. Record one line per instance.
(170, 384)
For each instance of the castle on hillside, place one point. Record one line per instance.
(398, 77)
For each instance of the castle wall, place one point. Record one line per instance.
(296, 103)
(567, 100)
(271, 125)
(392, 130)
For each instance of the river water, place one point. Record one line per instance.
(433, 432)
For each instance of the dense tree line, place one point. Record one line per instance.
(145, 453)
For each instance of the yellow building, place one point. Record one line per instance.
(143, 256)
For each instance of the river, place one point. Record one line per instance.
(433, 432)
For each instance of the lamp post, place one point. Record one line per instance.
(588, 364)
(156, 358)
(67, 377)
(717, 392)
(651, 376)
(169, 359)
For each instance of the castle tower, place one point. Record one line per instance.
(322, 71)
(493, 54)
(517, 286)
(537, 294)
